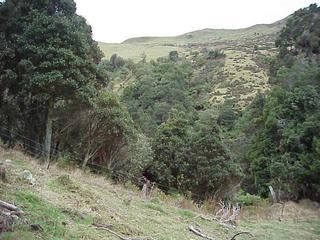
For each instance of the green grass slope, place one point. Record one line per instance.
(155, 47)
(211, 35)
(66, 203)
(246, 66)
(136, 51)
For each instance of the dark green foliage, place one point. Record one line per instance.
(214, 54)
(164, 101)
(227, 114)
(282, 131)
(302, 32)
(160, 86)
(211, 167)
(247, 199)
(48, 62)
(116, 61)
(169, 146)
(100, 134)
(283, 152)
(51, 53)
(49, 73)
(173, 55)
(135, 158)
(192, 157)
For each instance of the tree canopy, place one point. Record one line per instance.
(283, 150)
(48, 59)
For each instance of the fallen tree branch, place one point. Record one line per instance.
(115, 233)
(8, 213)
(101, 225)
(234, 237)
(8, 206)
(108, 226)
(198, 232)
(230, 226)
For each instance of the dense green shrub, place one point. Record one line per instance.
(282, 147)
(247, 199)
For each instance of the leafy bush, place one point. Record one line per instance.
(247, 199)
(214, 54)
(282, 132)
(192, 157)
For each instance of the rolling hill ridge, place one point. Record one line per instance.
(212, 35)
(244, 71)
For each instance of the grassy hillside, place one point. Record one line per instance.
(211, 35)
(245, 70)
(136, 51)
(240, 78)
(155, 47)
(65, 203)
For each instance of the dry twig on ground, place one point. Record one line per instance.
(108, 227)
(199, 232)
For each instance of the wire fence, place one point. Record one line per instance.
(25, 141)
(38, 147)
(5, 132)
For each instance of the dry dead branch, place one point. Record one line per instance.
(228, 213)
(101, 225)
(147, 187)
(8, 206)
(282, 211)
(8, 209)
(234, 237)
(108, 227)
(199, 232)
(212, 218)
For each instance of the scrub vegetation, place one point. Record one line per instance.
(213, 132)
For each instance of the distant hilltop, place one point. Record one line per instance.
(211, 35)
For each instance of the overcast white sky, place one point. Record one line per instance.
(117, 20)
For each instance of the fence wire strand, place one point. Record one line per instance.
(56, 152)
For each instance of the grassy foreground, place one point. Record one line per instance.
(67, 202)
